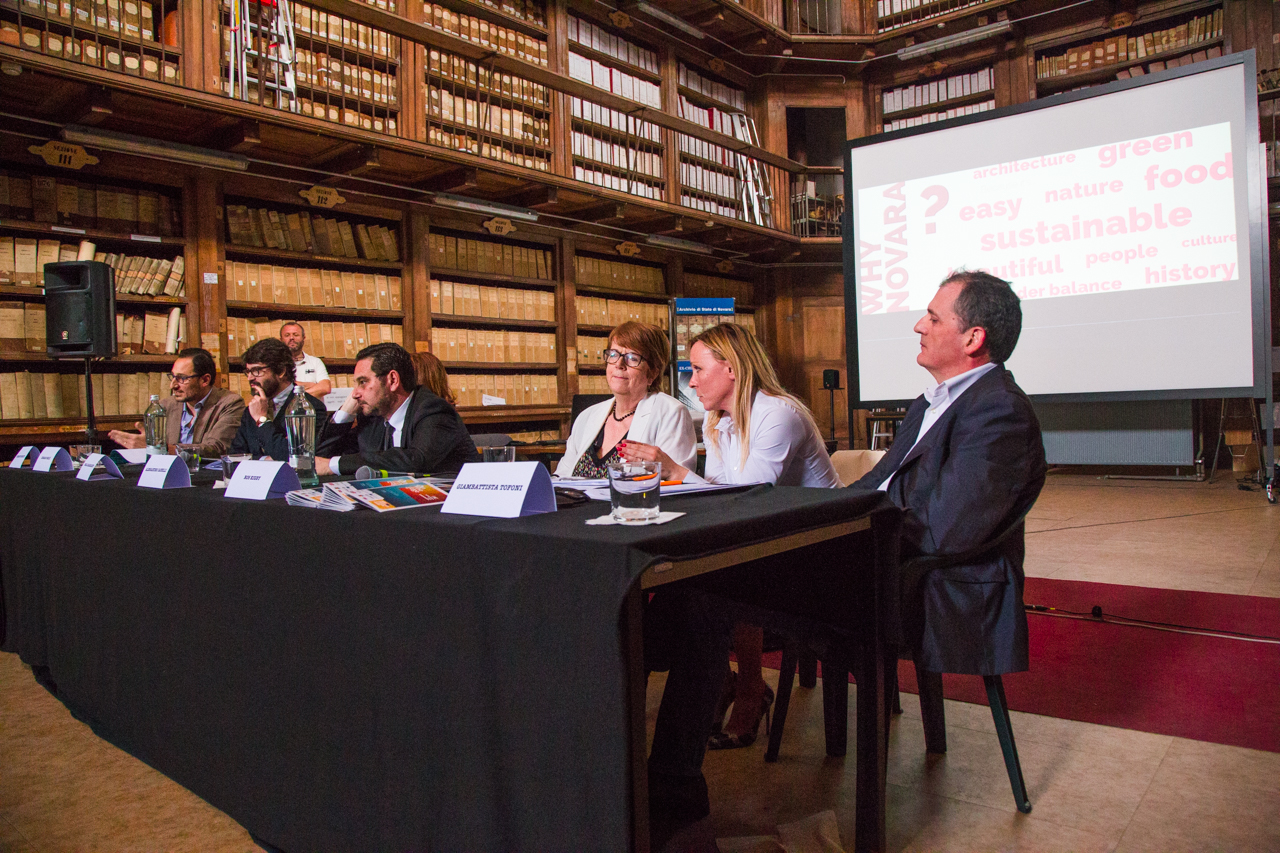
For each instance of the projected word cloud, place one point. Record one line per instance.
(1151, 212)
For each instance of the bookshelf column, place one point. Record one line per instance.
(205, 215)
(417, 319)
(668, 65)
(413, 118)
(567, 314)
(558, 63)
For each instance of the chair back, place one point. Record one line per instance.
(584, 401)
(491, 439)
(852, 465)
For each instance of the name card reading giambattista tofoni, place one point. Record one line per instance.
(501, 490)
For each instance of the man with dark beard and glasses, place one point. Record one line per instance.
(269, 366)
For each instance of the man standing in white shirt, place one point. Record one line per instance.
(309, 370)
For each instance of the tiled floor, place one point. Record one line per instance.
(1093, 788)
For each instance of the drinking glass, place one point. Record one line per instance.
(80, 451)
(633, 490)
(499, 454)
(230, 462)
(188, 454)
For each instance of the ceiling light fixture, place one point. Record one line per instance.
(677, 243)
(143, 146)
(926, 48)
(668, 19)
(493, 208)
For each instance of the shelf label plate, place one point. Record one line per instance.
(326, 197)
(63, 154)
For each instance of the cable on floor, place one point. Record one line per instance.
(1141, 520)
(1096, 615)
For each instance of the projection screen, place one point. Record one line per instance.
(1128, 218)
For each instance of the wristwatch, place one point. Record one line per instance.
(262, 420)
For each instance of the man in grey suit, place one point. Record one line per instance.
(199, 412)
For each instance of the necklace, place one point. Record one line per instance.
(614, 413)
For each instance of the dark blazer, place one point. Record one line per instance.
(272, 439)
(435, 440)
(978, 468)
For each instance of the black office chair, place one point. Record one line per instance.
(491, 439)
(581, 402)
(832, 648)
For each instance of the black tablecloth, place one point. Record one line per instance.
(354, 681)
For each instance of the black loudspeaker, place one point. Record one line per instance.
(80, 301)
(830, 380)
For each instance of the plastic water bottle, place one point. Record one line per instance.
(300, 424)
(156, 422)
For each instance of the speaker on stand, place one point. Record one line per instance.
(80, 322)
(831, 382)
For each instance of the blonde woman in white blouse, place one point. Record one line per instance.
(755, 432)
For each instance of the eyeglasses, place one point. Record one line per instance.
(178, 377)
(255, 372)
(632, 359)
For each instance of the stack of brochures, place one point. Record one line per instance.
(382, 495)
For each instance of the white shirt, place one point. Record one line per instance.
(786, 450)
(940, 398)
(310, 370)
(280, 399)
(397, 427)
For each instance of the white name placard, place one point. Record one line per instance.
(53, 459)
(91, 462)
(260, 480)
(165, 472)
(20, 458)
(335, 398)
(131, 456)
(501, 490)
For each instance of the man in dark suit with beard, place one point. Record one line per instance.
(967, 462)
(391, 423)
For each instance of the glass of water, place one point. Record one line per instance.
(229, 464)
(188, 454)
(633, 490)
(506, 453)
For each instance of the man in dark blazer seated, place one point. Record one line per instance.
(391, 423)
(967, 461)
(262, 432)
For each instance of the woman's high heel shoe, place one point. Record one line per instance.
(724, 740)
(726, 699)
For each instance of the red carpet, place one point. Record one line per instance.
(1202, 688)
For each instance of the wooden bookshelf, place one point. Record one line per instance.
(1107, 73)
(492, 322)
(312, 310)
(1169, 33)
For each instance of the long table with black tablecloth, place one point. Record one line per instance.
(361, 681)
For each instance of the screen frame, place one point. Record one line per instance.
(1260, 285)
